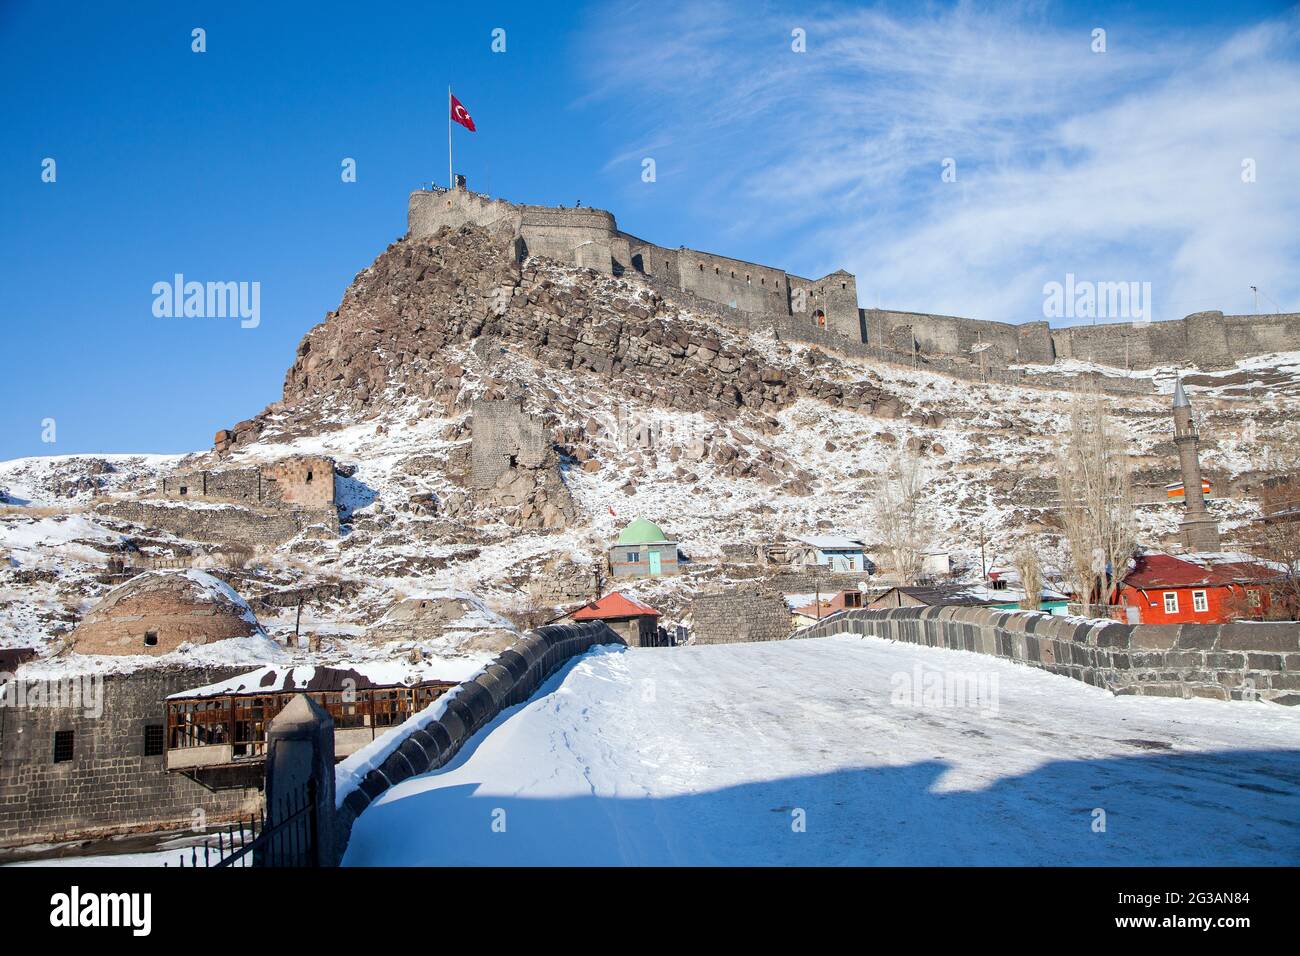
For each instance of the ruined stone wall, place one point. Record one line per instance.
(1244, 660)
(231, 484)
(304, 482)
(222, 524)
(740, 615)
(109, 786)
(504, 439)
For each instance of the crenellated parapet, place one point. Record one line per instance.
(826, 309)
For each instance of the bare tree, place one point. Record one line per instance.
(1279, 447)
(1095, 483)
(1030, 569)
(1276, 536)
(902, 516)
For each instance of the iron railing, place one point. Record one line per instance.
(289, 841)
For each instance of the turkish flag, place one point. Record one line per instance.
(460, 114)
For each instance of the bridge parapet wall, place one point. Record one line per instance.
(1237, 661)
(433, 737)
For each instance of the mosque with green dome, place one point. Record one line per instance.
(643, 551)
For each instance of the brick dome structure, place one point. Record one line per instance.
(156, 612)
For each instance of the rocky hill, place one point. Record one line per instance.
(726, 438)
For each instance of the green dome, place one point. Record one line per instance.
(641, 531)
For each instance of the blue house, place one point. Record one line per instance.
(839, 554)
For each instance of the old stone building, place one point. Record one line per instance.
(92, 763)
(637, 623)
(156, 612)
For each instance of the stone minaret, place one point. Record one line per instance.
(1200, 530)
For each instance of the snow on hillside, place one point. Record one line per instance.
(59, 480)
(989, 452)
(717, 754)
(809, 467)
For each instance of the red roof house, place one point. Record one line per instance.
(1163, 589)
(841, 601)
(638, 623)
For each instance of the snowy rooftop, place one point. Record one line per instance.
(270, 680)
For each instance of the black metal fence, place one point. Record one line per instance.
(289, 841)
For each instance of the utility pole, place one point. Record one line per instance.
(817, 587)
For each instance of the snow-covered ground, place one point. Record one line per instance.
(802, 752)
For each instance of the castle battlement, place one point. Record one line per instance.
(825, 309)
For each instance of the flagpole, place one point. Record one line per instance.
(451, 184)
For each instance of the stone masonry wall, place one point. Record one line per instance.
(504, 438)
(223, 524)
(740, 616)
(109, 786)
(1239, 661)
(798, 328)
(305, 481)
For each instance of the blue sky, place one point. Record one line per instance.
(225, 165)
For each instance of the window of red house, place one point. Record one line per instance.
(1200, 602)
(1171, 602)
(1253, 598)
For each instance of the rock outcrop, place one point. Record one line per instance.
(386, 343)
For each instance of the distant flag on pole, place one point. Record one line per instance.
(461, 115)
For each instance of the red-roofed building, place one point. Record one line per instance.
(1209, 589)
(842, 601)
(637, 623)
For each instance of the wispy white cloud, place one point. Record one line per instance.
(1117, 166)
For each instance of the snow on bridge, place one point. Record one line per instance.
(836, 751)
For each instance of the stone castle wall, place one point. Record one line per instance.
(109, 786)
(591, 238)
(1239, 661)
